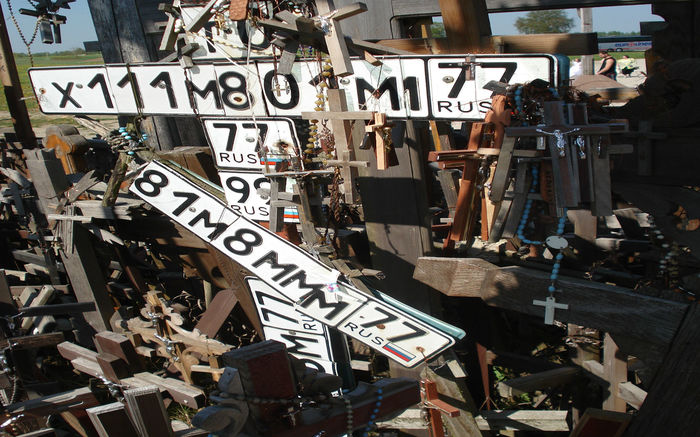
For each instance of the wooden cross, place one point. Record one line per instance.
(335, 40)
(293, 30)
(436, 407)
(340, 120)
(265, 370)
(550, 304)
(467, 200)
(382, 131)
(564, 156)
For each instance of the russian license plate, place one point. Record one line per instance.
(241, 190)
(306, 338)
(294, 273)
(240, 144)
(402, 87)
(457, 83)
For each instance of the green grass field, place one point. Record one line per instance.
(44, 60)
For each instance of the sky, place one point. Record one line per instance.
(79, 26)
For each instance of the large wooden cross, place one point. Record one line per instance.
(563, 151)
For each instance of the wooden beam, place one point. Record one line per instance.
(181, 392)
(645, 321)
(52, 404)
(536, 381)
(9, 77)
(600, 423)
(631, 394)
(564, 43)
(671, 408)
(523, 420)
(85, 274)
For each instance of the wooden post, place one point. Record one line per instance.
(466, 24)
(147, 409)
(13, 89)
(615, 370)
(130, 45)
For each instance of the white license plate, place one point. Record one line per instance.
(305, 338)
(242, 195)
(304, 280)
(400, 87)
(277, 311)
(238, 144)
(454, 96)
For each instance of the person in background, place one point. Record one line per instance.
(576, 68)
(627, 65)
(609, 66)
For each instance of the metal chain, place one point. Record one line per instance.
(21, 34)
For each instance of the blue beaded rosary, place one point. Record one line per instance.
(372, 417)
(125, 134)
(560, 231)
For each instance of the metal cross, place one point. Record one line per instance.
(550, 304)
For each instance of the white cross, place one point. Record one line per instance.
(550, 305)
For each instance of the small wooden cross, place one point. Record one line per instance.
(550, 304)
(341, 127)
(382, 133)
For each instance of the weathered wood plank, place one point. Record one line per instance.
(453, 276)
(112, 420)
(536, 381)
(85, 273)
(671, 408)
(523, 420)
(638, 323)
(147, 409)
(181, 392)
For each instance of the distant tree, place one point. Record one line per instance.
(618, 33)
(553, 21)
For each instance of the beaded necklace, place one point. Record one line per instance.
(554, 242)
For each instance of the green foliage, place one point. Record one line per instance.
(618, 33)
(437, 30)
(553, 21)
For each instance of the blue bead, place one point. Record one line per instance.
(375, 411)
(553, 276)
(560, 256)
(380, 397)
(380, 391)
(551, 289)
(372, 417)
(130, 152)
(378, 404)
